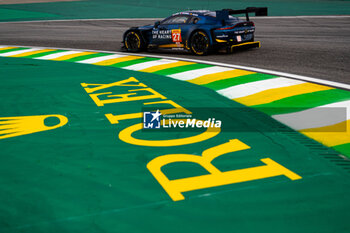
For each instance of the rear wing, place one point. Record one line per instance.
(259, 11)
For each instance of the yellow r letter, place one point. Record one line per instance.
(174, 188)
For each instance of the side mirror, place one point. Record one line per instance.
(156, 24)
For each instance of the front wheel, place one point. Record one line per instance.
(133, 42)
(199, 43)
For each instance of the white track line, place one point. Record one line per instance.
(149, 64)
(256, 87)
(272, 72)
(19, 52)
(99, 59)
(141, 19)
(57, 55)
(321, 116)
(192, 74)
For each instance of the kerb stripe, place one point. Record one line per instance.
(192, 74)
(19, 52)
(256, 87)
(57, 55)
(149, 64)
(99, 59)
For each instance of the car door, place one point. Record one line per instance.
(169, 33)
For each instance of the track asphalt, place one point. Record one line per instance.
(312, 47)
(315, 47)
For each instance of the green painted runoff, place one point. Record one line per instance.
(81, 177)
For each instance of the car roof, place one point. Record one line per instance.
(194, 12)
(204, 13)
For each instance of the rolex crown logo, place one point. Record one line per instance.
(22, 125)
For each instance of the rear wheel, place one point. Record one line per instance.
(199, 43)
(133, 42)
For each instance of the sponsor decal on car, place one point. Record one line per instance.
(176, 35)
(161, 34)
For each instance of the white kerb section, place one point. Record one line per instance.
(19, 52)
(256, 87)
(57, 55)
(192, 74)
(149, 64)
(321, 116)
(100, 59)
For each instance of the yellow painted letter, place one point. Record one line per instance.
(175, 188)
(122, 83)
(125, 97)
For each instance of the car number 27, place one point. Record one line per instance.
(176, 35)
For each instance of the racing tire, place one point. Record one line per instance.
(133, 42)
(199, 43)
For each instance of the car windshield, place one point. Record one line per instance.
(213, 14)
(176, 20)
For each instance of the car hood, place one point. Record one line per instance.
(146, 27)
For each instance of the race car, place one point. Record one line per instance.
(197, 31)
